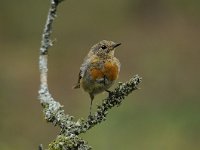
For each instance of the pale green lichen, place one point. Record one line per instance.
(68, 138)
(73, 142)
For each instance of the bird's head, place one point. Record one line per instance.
(104, 48)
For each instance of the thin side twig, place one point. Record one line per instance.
(115, 98)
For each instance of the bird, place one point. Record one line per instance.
(99, 70)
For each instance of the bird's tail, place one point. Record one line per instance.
(76, 86)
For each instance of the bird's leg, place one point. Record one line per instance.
(104, 80)
(91, 100)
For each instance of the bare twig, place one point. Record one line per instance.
(68, 138)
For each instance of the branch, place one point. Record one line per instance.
(115, 98)
(68, 138)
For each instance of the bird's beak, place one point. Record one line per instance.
(116, 45)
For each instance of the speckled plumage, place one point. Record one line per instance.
(100, 68)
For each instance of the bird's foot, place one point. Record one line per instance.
(109, 93)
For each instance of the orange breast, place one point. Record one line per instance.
(96, 73)
(111, 71)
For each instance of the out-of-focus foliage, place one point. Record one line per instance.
(160, 42)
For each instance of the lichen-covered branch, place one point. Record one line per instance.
(114, 99)
(52, 108)
(72, 142)
(68, 138)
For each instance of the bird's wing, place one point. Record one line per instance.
(81, 73)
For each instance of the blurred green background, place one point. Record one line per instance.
(160, 42)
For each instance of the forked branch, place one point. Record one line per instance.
(68, 138)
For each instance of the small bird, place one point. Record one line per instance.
(99, 70)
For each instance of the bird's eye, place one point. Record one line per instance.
(103, 47)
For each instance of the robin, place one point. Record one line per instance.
(99, 70)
